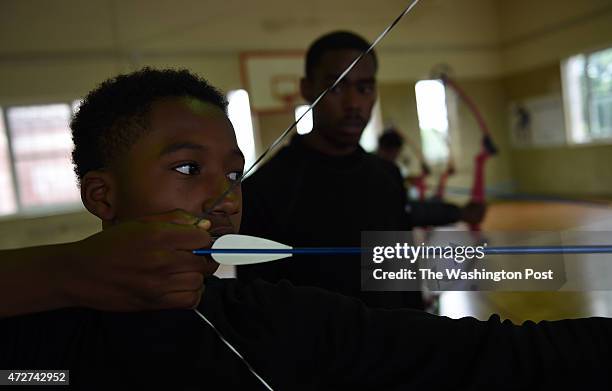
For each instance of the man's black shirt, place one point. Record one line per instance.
(304, 198)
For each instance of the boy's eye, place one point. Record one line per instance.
(188, 169)
(234, 176)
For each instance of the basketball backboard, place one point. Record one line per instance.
(272, 79)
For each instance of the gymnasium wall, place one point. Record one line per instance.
(62, 78)
(536, 36)
(573, 171)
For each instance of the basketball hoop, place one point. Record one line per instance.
(289, 101)
(272, 79)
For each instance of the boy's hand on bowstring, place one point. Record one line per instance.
(140, 265)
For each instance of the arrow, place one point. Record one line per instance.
(233, 249)
(592, 249)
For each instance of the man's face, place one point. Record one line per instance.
(186, 160)
(343, 113)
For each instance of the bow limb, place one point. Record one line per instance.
(487, 147)
(419, 181)
(449, 171)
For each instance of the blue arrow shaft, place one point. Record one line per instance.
(598, 249)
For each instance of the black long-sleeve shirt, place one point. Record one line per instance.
(305, 198)
(302, 197)
(305, 339)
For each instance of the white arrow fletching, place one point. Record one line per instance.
(234, 241)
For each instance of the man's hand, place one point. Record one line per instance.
(138, 265)
(473, 213)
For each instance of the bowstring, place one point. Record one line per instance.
(233, 349)
(287, 131)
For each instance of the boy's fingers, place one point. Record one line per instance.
(183, 237)
(204, 224)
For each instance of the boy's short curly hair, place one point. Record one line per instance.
(112, 117)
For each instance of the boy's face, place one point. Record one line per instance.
(185, 160)
(345, 111)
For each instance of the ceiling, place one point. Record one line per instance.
(64, 27)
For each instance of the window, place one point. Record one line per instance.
(40, 143)
(433, 119)
(374, 128)
(239, 113)
(8, 204)
(587, 95)
(305, 125)
(36, 173)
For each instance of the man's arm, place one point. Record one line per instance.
(436, 213)
(29, 280)
(135, 265)
(306, 338)
(350, 346)
(432, 213)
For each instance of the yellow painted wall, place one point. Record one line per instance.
(535, 34)
(581, 171)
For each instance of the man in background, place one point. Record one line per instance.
(431, 212)
(327, 182)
